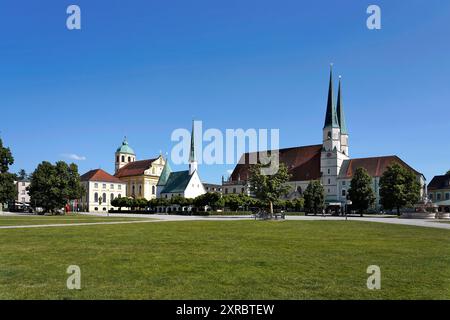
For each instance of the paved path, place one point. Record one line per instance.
(165, 218)
(391, 220)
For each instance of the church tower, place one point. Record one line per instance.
(192, 160)
(334, 151)
(341, 119)
(124, 155)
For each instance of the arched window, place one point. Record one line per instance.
(112, 197)
(129, 159)
(153, 189)
(96, 197)
(133, 190)
(119, 196)
(123, 158)
(140, 190)
(104, 198)
(117, 159)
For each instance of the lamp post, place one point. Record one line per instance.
(347, 203)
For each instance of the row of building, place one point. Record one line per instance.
(328, 162)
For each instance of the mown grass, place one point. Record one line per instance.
(69, 219)
(226, 260)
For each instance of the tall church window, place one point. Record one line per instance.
(123, 158)
(104, 198)
(153, 189)
(96, 197)
(329, 135)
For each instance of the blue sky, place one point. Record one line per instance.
(144, 68)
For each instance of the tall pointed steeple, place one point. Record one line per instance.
(192, 150)
(192, 161)
(331, 119)
(340, 110)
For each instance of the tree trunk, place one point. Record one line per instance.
(271, 207)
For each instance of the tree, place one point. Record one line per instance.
(53, 186)
(448, 173)
(314, 197)
(361, 193)
(22, 175)
(8, 190)
(269, 188)
(232, 201)
(211, 199)
(398, 188)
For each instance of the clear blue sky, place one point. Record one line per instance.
(144, 68)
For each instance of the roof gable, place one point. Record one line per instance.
(135, 168)
(303, 163)
(439, 182)
(375, 166)
(177, 182)
(100, 176)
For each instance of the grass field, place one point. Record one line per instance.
(69, 219)
(226, 260)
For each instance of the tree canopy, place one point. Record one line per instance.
(269, 188)
(8, 190)
(398, 188)
(314, 197)
(53, 186)
(361, 193)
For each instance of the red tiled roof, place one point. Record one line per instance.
(376, 166)
(303, 163)
(135, 168)
(439, 182)
(99, 175)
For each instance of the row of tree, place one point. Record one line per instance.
(211, 200)
(54, 185)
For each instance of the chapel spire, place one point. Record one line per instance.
(330, 116)
(340, 110)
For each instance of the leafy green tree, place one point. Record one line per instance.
(211, 199)
(361, 193)
(122, 202)
(314, 197)
(298, 204)
(448, 173)
(53, 186)
(8, 190)
(398, 188)
(22, 175)
(233, 201)
(269, 188)
(141, 203)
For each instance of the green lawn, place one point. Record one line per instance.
(69, 219)
(226, 260)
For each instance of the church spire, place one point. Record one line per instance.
(192, 161)
(330, 116)
(192, 150)
(340, 110)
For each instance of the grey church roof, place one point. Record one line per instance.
(177, 182)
